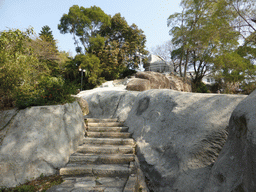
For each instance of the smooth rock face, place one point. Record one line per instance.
(39, 140)
(157, 80)
(234, 170)
(109, 104)
(179, 136)
(138, 84)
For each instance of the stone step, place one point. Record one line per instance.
(109, 141)
(106, 149)
(108, 134)
(90, 184)
(93, 120)
(100, 159)
(108, 129)
(106, 124)
(96, 170)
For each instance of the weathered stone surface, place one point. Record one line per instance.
(39, 140)
(179, 84)
(83, 104)
(234, 169)
(138, 84)
(109, 104)
(5, 118)
(179, 136)
(157, 80)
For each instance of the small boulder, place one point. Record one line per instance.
(179, 84)
(157, 80)
(138, 84)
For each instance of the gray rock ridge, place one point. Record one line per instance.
(39, 140)
(110, 104)
(234, 170)
(179, 135)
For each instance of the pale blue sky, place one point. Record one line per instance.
(149, 15)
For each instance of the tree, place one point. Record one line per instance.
(46, 34)
(122, 43)
(20, 69)
(200, 33)
(83, 23)
(91, 64)
(110, 39)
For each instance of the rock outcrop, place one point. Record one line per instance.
(152, 80)
(234, 169)
(179, 135)
(138, 84)
(179, 84)
(157, 80)
(38, 140)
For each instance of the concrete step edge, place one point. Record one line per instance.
(102, 159)
(108, 129)
(109, 134)
(110, 149)
(100, 120)
(110, 141)
(95, 170)
(107, 124)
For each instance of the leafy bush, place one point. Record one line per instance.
(49, 91)
(200, 88)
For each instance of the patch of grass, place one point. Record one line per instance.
(40, 184)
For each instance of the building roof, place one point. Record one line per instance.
(155, 59)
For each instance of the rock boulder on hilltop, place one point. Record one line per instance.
(157, 80)
(153, 80)
(138, 84)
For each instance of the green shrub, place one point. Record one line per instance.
(25, 188)
(200, 88)
(49, 91)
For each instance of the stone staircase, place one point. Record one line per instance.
(105, 162)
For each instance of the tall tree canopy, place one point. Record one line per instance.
(122, 43)
(83, 23)
(204, 32)
(110, 39)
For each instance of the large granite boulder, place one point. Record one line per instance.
(138, 84)
(38, 140)
(234, 169)
(179, 136)
(157, 80)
